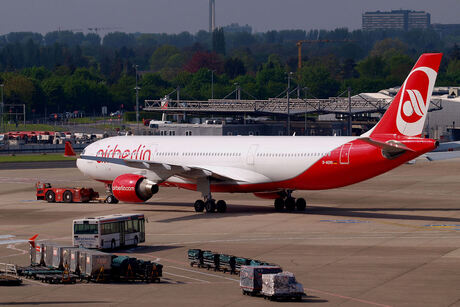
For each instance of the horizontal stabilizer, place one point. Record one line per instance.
(389, 146)
(445, 155)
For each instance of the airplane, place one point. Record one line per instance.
(271, 167)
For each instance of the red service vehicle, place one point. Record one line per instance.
(67, 195)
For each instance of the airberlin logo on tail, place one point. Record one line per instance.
(415, 96)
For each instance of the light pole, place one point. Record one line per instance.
(306, 105)
(289, 104)
(2, 126)
(137, 88)
(212, 83)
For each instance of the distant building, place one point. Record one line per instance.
(235, 28)
(446, 29)
(396, 20)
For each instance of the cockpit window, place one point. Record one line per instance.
(83, 152)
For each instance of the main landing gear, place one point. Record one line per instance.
(210, 205)
(110, 199)
(290, 203)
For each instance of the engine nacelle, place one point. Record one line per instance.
(133, 188)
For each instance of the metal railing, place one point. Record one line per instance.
(336, 105)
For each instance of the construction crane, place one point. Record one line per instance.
(312, 41)
(97, 29)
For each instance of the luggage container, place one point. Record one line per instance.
(239, 262)
(227, 263)
(97, 265)
(48, 253)
(195, 256)
(281, 286)
(39, 254)
(67, 256)
(58, 256)
(211, 260)
(33, 254)
(251, 277)
(74, 260)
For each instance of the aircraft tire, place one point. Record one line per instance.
(279, 204)
(300, 204)
(210, 206)
(111, 199)
(221, 206)
(290, 204)
(199, 206)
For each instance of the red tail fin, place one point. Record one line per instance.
(407, 113)
(68, 151)
(32, 240)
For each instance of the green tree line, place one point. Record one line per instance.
(66, 71)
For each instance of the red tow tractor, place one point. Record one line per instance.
(68, 195)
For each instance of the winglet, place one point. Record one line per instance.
(68, 151)
(32, 240)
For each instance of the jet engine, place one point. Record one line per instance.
(133, 188)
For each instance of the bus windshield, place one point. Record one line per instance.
(82, 229)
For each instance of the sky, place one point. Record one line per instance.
(175, 16)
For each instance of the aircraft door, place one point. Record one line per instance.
(251, 153)
(123, 227)
(345, 153)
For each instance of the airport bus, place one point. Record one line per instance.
(111, 231)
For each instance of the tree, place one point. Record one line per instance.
(372, 67)
(387, 48)
(161, 56)
(234, 67)
(218, 41)
(207, 60)
(319, 81)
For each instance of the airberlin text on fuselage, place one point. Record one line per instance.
(139, 153)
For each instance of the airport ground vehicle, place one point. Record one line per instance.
(281, 286)
(111, 231)
(220, 262)
(271, 167)
(251, 277)
(68, 195)
(85, 264)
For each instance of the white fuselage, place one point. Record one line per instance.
(260, 159)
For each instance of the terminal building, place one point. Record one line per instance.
(396, 20)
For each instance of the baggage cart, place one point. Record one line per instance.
(195, 256)
(251, 277)
(132, 269)
(211, 260)
(227, 263)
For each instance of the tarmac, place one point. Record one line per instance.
(390, 241)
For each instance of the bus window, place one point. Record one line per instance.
(129, 227)
(142, 224)
(81, 229)
(136, 226)
(109, 228)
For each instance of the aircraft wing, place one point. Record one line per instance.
(166, 170)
